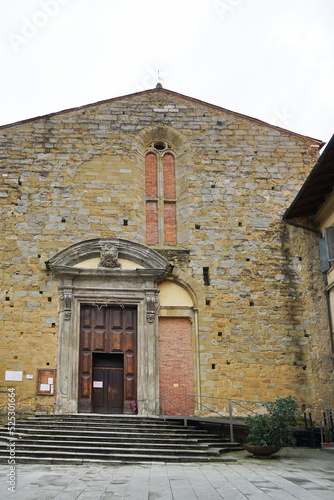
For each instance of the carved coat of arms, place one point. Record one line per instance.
(109, 257)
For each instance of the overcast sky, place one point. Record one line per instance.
(269, 59)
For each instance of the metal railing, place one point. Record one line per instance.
(231, 411)
(325, 421)
(222, 409)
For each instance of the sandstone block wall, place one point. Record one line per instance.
(80, 174)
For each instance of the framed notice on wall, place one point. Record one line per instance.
(13, 376)
(46, 382)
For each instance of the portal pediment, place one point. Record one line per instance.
(93, 254)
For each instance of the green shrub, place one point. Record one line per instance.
(273, 428)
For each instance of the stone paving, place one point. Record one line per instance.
(305, 474)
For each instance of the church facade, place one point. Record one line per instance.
(146, 264)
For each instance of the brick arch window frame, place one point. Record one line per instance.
(160, 196)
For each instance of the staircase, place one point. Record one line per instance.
(79, 438)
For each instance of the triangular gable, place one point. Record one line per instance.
(177, 95)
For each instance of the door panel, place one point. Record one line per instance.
(86, 362)
(129, 364)
(116, 340)
(108, 383)
(108, 390)
(100, 390)
(99, 329)
(115, 391)
(86, 387)
(129, 389)
(107, 336)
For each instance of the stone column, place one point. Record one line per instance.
(67, 370)
(148, 372)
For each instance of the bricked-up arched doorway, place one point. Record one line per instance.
(89, 278)
(176, 368)
(178, 350)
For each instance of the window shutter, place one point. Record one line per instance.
(327, 249)
(324, 255)
(329, 231)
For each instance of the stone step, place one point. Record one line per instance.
(21, 447)
(123, 440)
(117, 423)
(107, 419)
(121, 443)
(64, 430)
(108, 460)
(97, 425)
(109, 437)
(131, 433)
(98, 430)
(86, 438)
(104, 416)
(26, 442)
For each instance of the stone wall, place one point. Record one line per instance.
(80, 174)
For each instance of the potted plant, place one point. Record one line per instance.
(268, 433)
(327, 437)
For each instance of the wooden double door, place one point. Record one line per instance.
(108, 351)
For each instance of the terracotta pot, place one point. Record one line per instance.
(261, 451)
(326, 445)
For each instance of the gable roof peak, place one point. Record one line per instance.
(160, 89)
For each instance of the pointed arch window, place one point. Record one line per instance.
(160, 195)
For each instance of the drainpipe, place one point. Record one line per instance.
(330, 320)
(197, 347)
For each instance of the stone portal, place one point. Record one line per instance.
(130, 288)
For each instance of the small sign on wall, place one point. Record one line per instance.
(13, 376)
(46, 382)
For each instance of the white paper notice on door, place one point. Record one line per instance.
(98, 384)
(44, 387)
